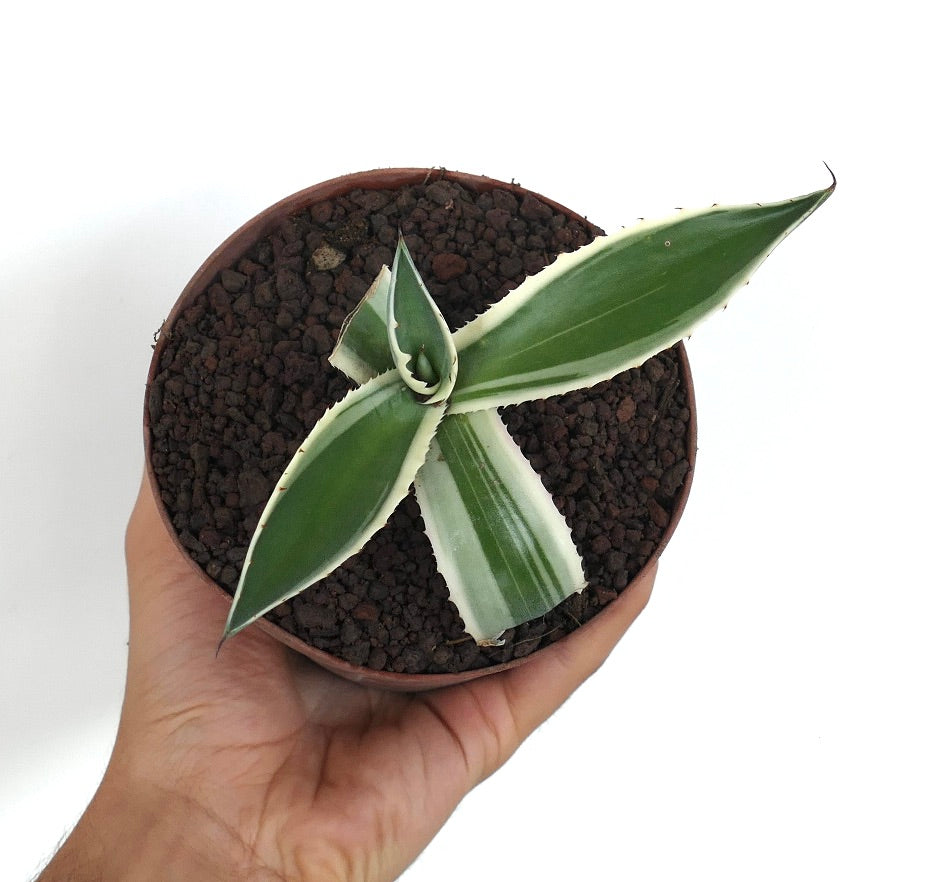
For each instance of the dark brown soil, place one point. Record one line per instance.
(244, 376)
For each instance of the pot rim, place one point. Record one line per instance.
(263, 224)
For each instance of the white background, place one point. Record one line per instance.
(773, 713)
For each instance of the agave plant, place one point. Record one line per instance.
(424, 411)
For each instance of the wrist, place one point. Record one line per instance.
(137, 833)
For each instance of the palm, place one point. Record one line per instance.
(301, 772)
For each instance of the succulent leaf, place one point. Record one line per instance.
(502, 546)
(616, 302)
(339, 489)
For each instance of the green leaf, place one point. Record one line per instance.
(502, 546)
(339, 489)
(362, 350)
(420, 341)
(614, 303)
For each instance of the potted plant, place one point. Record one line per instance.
(420, 407)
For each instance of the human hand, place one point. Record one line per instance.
(259, 765)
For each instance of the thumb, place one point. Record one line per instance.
(170, 600)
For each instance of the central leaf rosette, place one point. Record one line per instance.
(425, 411)
(502, 546)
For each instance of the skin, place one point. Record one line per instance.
(258, 765)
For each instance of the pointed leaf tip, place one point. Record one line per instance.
(360, 459)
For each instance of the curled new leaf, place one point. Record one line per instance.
(362, 351)
(419, 339)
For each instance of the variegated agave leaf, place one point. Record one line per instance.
(613, 304)
(339, 489)
(502, 546)
(362, 351)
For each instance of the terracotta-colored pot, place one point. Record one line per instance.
(228, 254)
